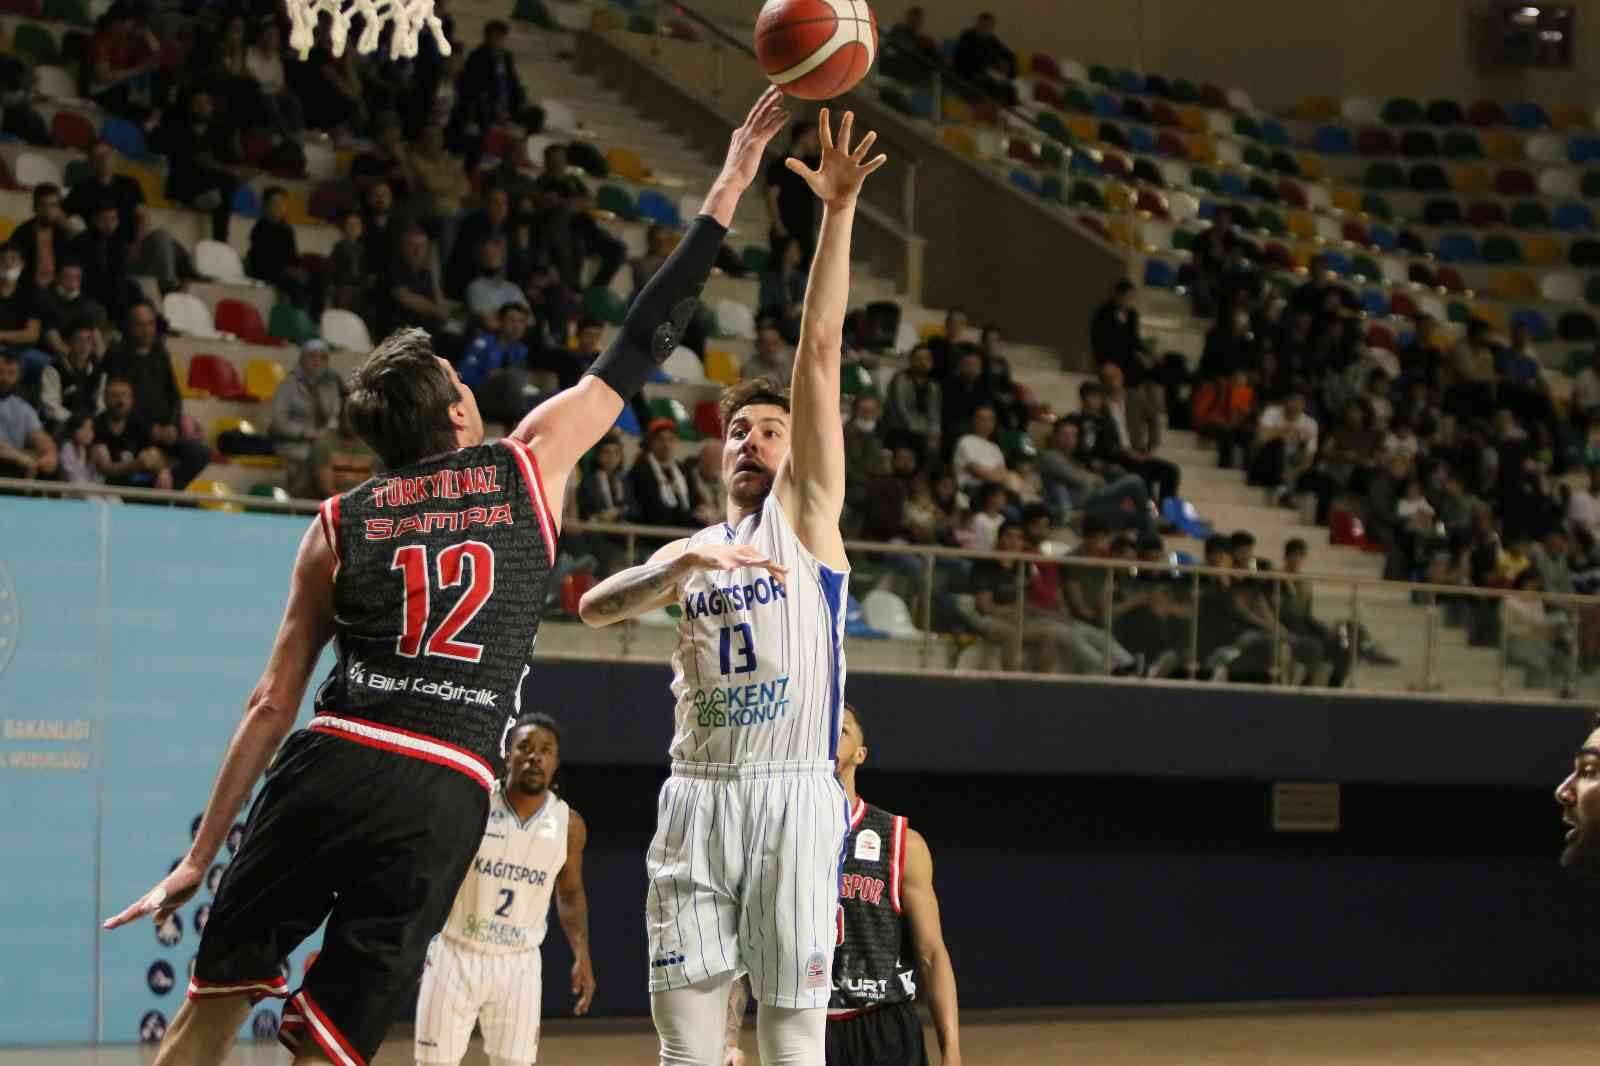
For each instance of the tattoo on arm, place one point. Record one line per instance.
(621, 595)
(737, 996)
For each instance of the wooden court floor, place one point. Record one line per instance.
(1343, 1033)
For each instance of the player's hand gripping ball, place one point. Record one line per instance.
(816, 49)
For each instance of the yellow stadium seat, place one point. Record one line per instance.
(1119, 231)
(1193, 119)
(1442, 340)
(1502, 145)
(7, 227)
(625, 163)
(1346, 198)
(1310, 164)
(215, 492)
(722, 367)
(929, 331)
(295, 212)
(958, 140)
(1543, 251)
(1300, 225)
(181, 373)
(5, 43)
(228, 423)
(1303, 254)
(1201, 150)
(605, 20)
(1492, 315)
(262, 377)
(1569, 117)
(149, 184)
(1083, 128)
(1118, 197)
(1317, 109)
(342, 158)
(1514, 285)
(1469, 177)
(956, 109)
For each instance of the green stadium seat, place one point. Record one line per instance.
(854, 380)
(615, 199)
(1255, 156)
(1247, 127)
(1184, 91)
(535, 12)
(604, 304)
(1461, 144)
(1076, 100)
(290, 323)
(1051, 155)
(1499, 249)
(1458, 312)
(1183, 240)
(1087, 193)
(668, 407)
(75, 12)
(1530, 215)
(1101, 75)
(1053, 189)
(1269, 220)
(1385, 176)
(1050, 123)
(36, 43)
(1402, 111)
(1366, 266)
(1591, 183)
(755, 258)
(1203, 178)
(1377, 206)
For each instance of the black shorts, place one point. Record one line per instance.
(374, 842)
(888, 1036)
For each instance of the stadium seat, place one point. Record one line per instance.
(124, 136)
(1385, 176)
(604, 304)
(1375, 140)
(1345, 529)
(683, 366)
(1360, 109)
(1429, 177)
(1374, 301)
(345, 330)
(673, 408)
(1514, 286)
(1316, 109)
(262, 378)
(1461, 144)
(214, 495)
(1559, 182)
(1543, 251)
(1468, 177)
(56, 83)
(1364, 266)
(735, 319)
(1530, 214)
(615, 199)
(243, 321)
(1441, 212)
(1381, 336)
(1417, 143)
(188, 314)
(1492, 315)
(1487, 113)
(1263, 189)
(1546, 148)
(71, 130)
(722, 366)
(1577, 326)
(1485, 214)
(1382, 237)
(36, 43)
(1106, 105)
(35, 169)
(1449, 279)
(1292, 193)
(1274, 133)
(1401, 111)
(1457, 248)
(1500, 249)
(1569, 117)
(1574, 218)
(1160, 274)
(1403, 306)
(213, 375)
(959, 141)
(1514, 181)
(659, 208)
(217, 260)
(1534, 322)
(246, 204)
(1412, 242)
(1333, 140)
(1583, 149)
(1502, 146)
(290, 323)
(1301, 225)
(1529, 116)
(1584, 253)
(1560, 288)
(1444, 113)
(708, 420)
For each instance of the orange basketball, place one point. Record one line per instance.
(816, 49)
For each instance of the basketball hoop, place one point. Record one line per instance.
(408, 16)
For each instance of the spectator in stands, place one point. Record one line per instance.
(984, 61)
(1583, 505)
(200, 153)
(604, 495)
(383, 227)
(1538, 635)
(884, 520)
(142, 360)
(42, 239)
(65, 306)
(791, 206)
(660, 240)
(978, 460)
(1453, 507)
(1230, 344)
(1285, 447)
(1295, 612)
(783, 288)
(1087, 592)
(1586, 394)
(497, 351)
(348, 279)
(75, 450)
(491, 220)
(1134, 413)
(865, 458)
(1151, 612)
(994, 588)
(388, 160)
(274, 255)
(1224, 413)
(490, 292)
(488, 91)
(340, 460)
(1011, 401)
(1108, 441)
(1348, 459)
(26, 450)
(564, 191)
(1472, 392)
(964, 393)
(104, 258)
(1253, 607)
(124, 451)
(1520, 379)
(306, 406)
(124, 63)
(1385, 491)
(263, 62)
(914, 403)
(706, 490)
(660, 491)
(328, 87)
(71, 384)
(413, 296)
(152, 250)
(433, 76)
(909, 54)
(1122, 502)
(1114, 333)
(21, 321)
(948, 345)
(440, 188)
(770, 359)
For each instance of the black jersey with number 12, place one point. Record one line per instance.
(442, 568)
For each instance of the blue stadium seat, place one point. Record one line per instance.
(1160, 274)
(1208, 210)
(1141, 140)
(1274, 134)
(1535, 322)
(1574, 217)
(1107, 106)
(1337, 262)
(1529, 116)
(658, 208)
(1083, 163)
(1231, 184)
(1020, 178)
(1130, 81)
(1457, 248)
(1583, 149)
(245, 202)
(922, 105)
(126, 137)
(1383, 238)
(1374, 301)
(1334, 140)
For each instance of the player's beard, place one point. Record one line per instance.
(531, 783)
(1582, 854)
(748, 489)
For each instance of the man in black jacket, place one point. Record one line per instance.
(982, 59)
(1104, 447)
(143, 361)
(488, 90)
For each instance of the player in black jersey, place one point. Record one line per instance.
(430, 579)
(886, 906)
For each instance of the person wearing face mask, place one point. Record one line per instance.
(64, 306)
(199, 153)
(865, 459)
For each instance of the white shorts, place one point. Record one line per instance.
(461, 986)
(744, 878)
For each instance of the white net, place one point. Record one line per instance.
(409, 18)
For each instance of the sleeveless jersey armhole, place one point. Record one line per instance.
(528, 464)
(897, 862)
(328, 517)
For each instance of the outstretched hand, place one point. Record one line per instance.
(172, 892)
(839, 174)
(749, 142)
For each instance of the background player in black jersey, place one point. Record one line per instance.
(891, 946)
(370, 817)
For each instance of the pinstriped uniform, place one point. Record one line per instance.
(744, 866)
(484, 966)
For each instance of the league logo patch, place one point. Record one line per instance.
(169, 932)
(159, 977)
(816, 971)
(869, 846)
(152, 1027)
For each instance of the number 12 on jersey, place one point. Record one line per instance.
(744, 648)
(471, 561)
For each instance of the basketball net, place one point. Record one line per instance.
(409, 17)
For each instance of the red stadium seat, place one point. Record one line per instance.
(1026, 151)
(1292, 193)
(215, 375)
(1045, 93)
(1374, 140)
(243, 321)
(1163, 114)
(573, 586)
(1091, 222)
(1485, 213)
(1046, 65)
(1403, 305)
(1212, 96)
(1169, 143)
(1514, 181)
(1380, 336)
(707, 421)
(1153, 202)
(1450, 279)
(72, 130)
(1278, 255)
(1487, 113)
(1112, 163)
(1355, 232)
(1345, 529)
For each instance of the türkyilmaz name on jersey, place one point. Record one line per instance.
(446, 691)
(733, 598)
(741, 705)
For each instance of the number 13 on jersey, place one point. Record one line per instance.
(738, 649)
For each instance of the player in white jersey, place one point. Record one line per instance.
(744, 865)
(484, 966)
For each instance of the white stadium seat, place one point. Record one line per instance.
(345, 330)
(217, 260)
(56, 83)
(1561, 288)
(33, 169)
(188, 314)
(735, 319)
(684, 366)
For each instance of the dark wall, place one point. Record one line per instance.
(1106, 843)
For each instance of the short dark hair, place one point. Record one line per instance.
(1241, 539)
(1007, 526)
(1124, 287)
(400, 400)
(1296, 546)
(590, 322)
(1218, 542)
(1091, 388)
(11, 355)
(736, 398)
(348, 213)
(513, 305)
(495, 26)
(1033, 512)
(272, 191)
(536, 720)
(44, 189)
(856, 714)
(111, 379)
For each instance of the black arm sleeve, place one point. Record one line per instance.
(661, 311)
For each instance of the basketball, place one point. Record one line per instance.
(816, 49)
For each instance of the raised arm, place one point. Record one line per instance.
(921, 905)
(561, 430)
(306, 627)
(811, 483)
(572, 908)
